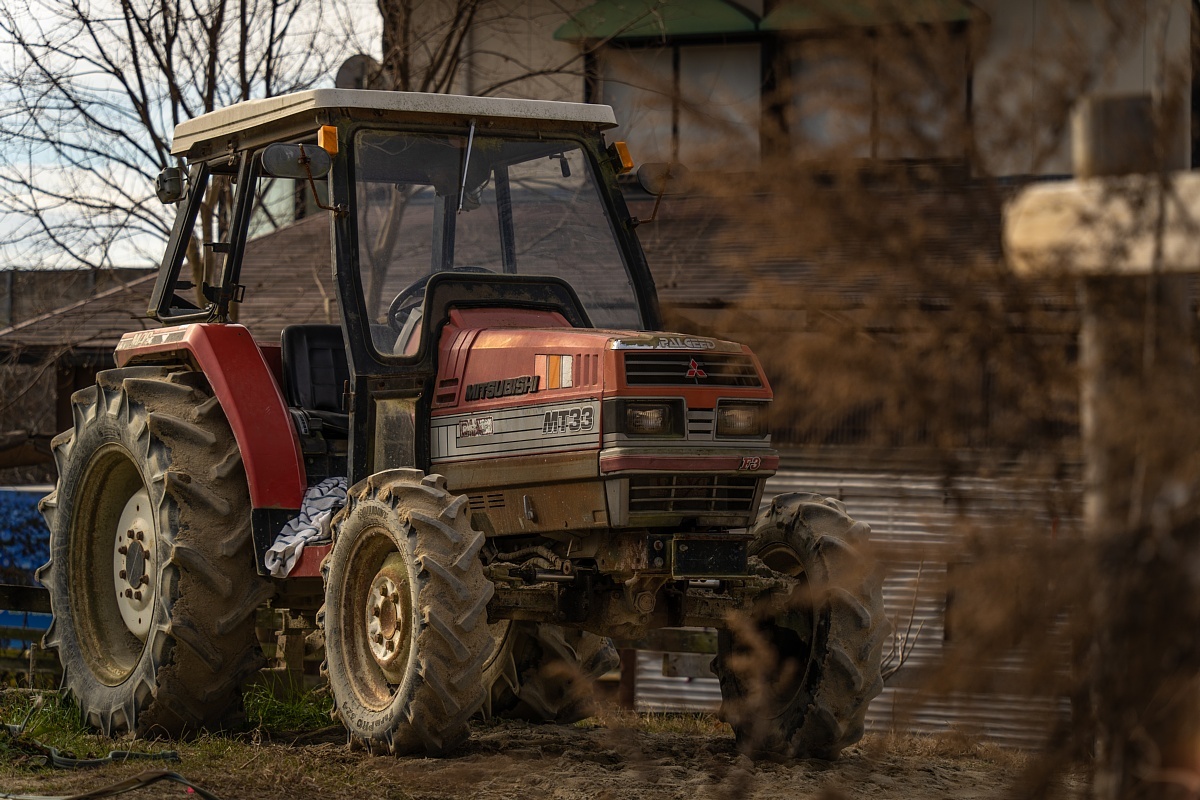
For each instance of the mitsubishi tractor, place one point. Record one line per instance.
(531, 466)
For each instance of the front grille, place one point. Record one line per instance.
(700, 424)
(690, 369)
(691, 494)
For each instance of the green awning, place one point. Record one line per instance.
(816, 15)
(657, 19)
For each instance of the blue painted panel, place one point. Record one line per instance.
(28, 620)
(24, 539)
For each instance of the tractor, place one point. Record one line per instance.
(531, 467)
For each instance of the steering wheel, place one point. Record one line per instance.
(399, 312)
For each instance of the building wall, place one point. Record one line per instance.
(513, 52)
(1035, 49)
(1031, 58)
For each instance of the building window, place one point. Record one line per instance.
(688, 79)
(697, 104)
(879, 95)
(684, 77)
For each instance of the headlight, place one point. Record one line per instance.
(740, 419)
(649, 419)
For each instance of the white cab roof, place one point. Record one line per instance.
(277, 111)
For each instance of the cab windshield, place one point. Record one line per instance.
(427, 203)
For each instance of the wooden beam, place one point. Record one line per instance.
(1102, 226)
(34, 599)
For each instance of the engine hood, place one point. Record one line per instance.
(493, 360)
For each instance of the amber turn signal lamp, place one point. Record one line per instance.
(621, 158)
(327, 139)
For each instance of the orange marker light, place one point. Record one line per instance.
(327, 139)
(556, 372)
(623, 161)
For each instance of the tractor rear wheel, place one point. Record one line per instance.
(405, 615)
(151, 575)
(544, 673)
(797, 678)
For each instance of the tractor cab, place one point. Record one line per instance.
(474, 240)
(519, 195)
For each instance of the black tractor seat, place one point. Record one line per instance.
(315, 373)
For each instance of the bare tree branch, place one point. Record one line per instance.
(94, 92)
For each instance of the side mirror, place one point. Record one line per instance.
(169, 185)
(663, 179)
(297, 161)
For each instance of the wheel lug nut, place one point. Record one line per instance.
(376, 611)
(137, 595)
(129, 592)
(122, 549)
(145, 579)
(121, 575)
(391, 645)
(379, 638)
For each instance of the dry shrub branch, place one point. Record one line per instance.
(872, 281)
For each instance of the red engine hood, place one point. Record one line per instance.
(498, 358)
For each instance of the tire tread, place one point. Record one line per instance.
(452, 641)
(202, 646)
(843, 663)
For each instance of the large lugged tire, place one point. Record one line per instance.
(151, 573)
(544, 673)
(405, 615)
(796, 681)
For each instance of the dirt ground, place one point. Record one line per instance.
(517, 761)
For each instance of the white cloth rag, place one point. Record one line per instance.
(321, 502)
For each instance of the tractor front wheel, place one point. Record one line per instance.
(405, 615)
(797, 677)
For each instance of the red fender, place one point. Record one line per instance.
(248, 393)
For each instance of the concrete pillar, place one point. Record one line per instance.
(1131, 238)
(1131, 326)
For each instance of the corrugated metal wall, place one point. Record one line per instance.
(916, 522)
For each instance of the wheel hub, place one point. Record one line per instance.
(134, 563)
(387, 614)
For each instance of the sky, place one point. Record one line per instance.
(346, 27)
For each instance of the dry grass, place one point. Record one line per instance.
(951, 745)
(615, 754)
(687, 724)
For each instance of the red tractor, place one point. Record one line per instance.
(531, 467)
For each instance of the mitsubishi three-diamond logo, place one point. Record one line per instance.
(695, 370)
